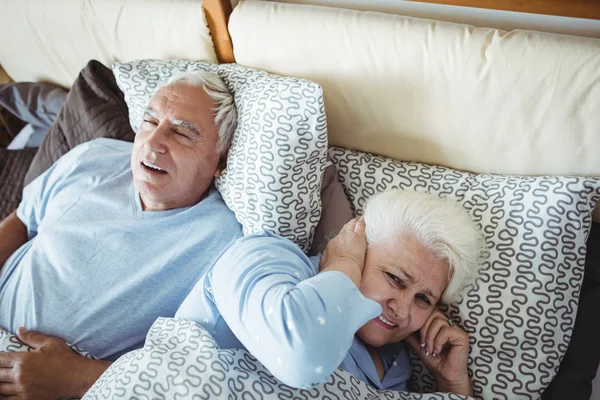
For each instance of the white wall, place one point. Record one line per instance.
(506, 20)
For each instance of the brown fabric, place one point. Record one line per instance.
(13, 165)
(578, 368)
(336, 211)
(95, 107)
(10, 126)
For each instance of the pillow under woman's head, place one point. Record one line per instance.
(521, 311)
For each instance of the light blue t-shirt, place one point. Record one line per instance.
(98, 270)
(266, 296)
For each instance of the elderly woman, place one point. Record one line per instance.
(375, 288)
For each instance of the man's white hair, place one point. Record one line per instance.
(215, 88)
(443, 226)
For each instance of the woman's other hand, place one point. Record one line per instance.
(444, 349)
(346, 252)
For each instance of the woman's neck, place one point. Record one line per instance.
(376, 357)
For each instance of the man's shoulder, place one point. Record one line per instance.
(100, 145)
(221, 217)
(101, 154)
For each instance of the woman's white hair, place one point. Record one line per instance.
(443, 226)
(215, 88)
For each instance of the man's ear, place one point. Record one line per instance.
(221, 166)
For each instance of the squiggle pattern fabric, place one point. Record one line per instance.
(10, 343)
(180, 360)
(521, 311)
(275, 164)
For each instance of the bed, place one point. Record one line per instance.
(399, 114)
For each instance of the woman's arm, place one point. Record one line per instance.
(13, 234)
(297, 323)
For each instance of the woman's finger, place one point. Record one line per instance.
(443, 337)
(6, 376)
(450, 336)
(349, 226)
(360, 226)
(8, 389)
(425, 328)
(434, 329)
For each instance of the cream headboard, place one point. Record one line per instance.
(53, 40)
(474, 99)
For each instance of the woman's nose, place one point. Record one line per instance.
(400, 307)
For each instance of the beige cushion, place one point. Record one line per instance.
(53, 40)
(475, 99)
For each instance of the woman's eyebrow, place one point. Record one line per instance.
(408, 277)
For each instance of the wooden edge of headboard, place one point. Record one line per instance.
(217, 15)
(4, 78)
(566, 8)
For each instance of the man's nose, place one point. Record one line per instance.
(157, 140)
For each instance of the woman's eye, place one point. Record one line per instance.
(423, 298)
(150, 122)
(395, 279)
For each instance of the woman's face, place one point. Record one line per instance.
(407, 280)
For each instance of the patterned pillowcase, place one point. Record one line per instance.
(276, 161)
(180, 359)
(10, 343)
(521, 311)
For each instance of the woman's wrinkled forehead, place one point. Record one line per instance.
(413, 262)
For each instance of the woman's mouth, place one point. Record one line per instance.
(384, 323)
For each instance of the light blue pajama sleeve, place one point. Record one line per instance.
(41, 191)
(297, 322)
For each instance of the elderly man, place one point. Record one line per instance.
(113, 236)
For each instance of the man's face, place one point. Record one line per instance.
(174, 157)
(407, 280)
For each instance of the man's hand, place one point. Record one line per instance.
(346, 252)
(50, 371)
(444, 349)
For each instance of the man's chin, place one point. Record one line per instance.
(150, 193)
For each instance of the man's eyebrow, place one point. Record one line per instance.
(186, 125)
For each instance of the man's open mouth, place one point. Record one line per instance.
(152, 168)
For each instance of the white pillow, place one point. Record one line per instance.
(11, 343)
(276, 161)
(181, 360)
(521, 312)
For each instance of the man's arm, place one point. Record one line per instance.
(50, 371)
(13, 234)
(52, 368)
